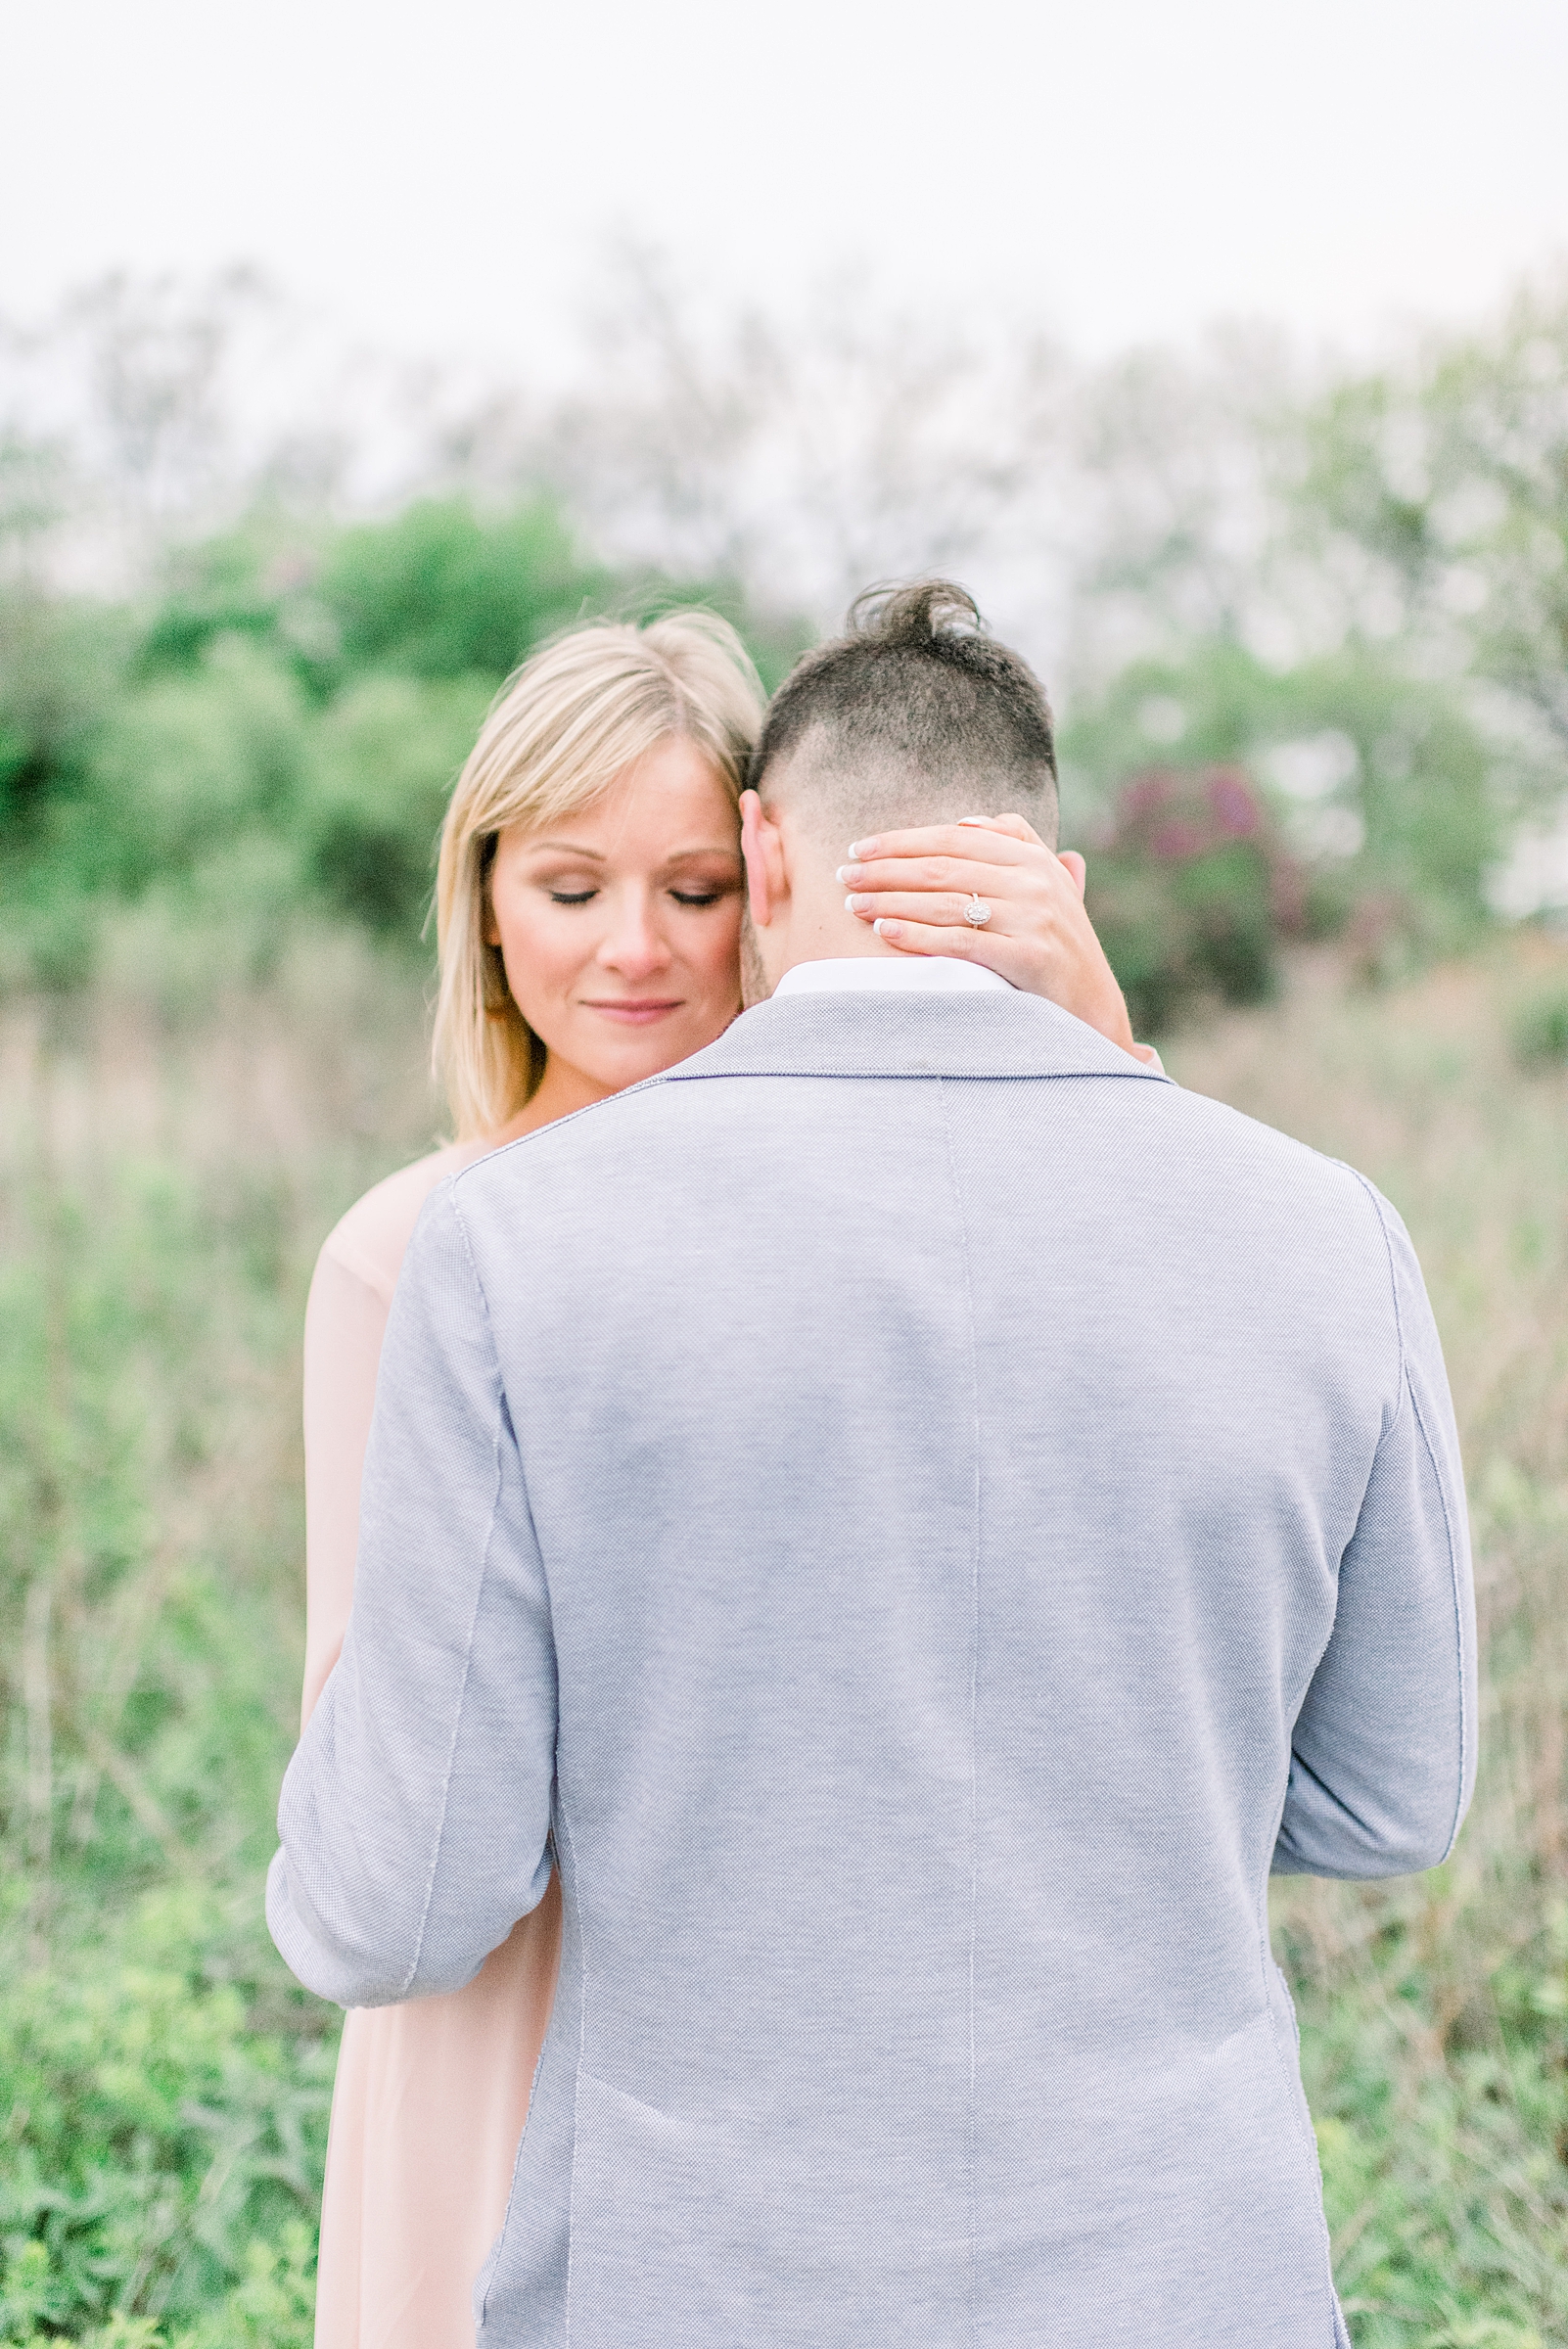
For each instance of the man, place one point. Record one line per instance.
(918, 1513)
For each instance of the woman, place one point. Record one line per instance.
(589, 906)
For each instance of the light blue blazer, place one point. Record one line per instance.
(919, 1514)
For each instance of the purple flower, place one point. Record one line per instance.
(1235, 805)
(1145, 796)
(1177, 841)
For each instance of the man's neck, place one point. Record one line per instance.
(822, 929)
(834, 946)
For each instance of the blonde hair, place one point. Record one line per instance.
(576, 715)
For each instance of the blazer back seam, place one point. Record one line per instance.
(974, 1703)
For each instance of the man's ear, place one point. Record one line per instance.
(763, 850)
(1076, 866)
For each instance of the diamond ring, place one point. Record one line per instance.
(977, 911)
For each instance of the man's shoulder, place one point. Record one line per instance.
(585, 1136)
(1219, 1132)
(1045, 1057)
(682, 1170)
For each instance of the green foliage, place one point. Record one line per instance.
(61, 672)
(271, 2307)
(186, 766)
(1449, 476)
(253, 585)
(1445, 2194)
(279, 733)
(388, 752)
(1541, 1030)
(166, 2145)
(439, 593)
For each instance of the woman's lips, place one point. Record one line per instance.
(636, 1011)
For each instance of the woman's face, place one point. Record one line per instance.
(620, 926)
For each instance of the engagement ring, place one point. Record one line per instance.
(977, 911)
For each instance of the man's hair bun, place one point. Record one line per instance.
(917, 616)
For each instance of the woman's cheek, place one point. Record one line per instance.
(723, 958)
(540, 965)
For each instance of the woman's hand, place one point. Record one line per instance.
(914, 885)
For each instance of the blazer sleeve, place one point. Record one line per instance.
(415, 1814)
(345, 1322)
(1383, 1753)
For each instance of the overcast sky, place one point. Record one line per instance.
(442, 178)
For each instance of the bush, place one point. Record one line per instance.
(1380, 785)
(61, 677)
(388, 754)
(171, 2161)
(272, 2307)
(186, 765)
(62, 672)
(437, 591)
(1190, 892)
(441, 593)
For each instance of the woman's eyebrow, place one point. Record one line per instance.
(573, 848)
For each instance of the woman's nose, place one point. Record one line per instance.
(634, 946)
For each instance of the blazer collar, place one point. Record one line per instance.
(924, 1035)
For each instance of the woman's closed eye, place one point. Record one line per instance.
(680, 896)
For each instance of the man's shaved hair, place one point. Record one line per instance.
(915, 715)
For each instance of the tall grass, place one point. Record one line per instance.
(169, 1164)
(1434, 2010)
(170, 1161)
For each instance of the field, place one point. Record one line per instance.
(1435, 2011)
(171, 1154)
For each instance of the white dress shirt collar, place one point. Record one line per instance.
(877, 974)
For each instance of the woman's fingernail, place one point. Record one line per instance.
(864, 847)
(849, 874)
(885, 929)
(854, 904)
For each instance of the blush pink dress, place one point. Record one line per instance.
(430, 2098)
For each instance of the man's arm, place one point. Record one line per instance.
(1383, 1757)
(414, 1814)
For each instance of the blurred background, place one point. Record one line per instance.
(344, 355)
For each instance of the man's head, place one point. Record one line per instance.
(914, 717)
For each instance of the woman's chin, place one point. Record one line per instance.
(643, 1051)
